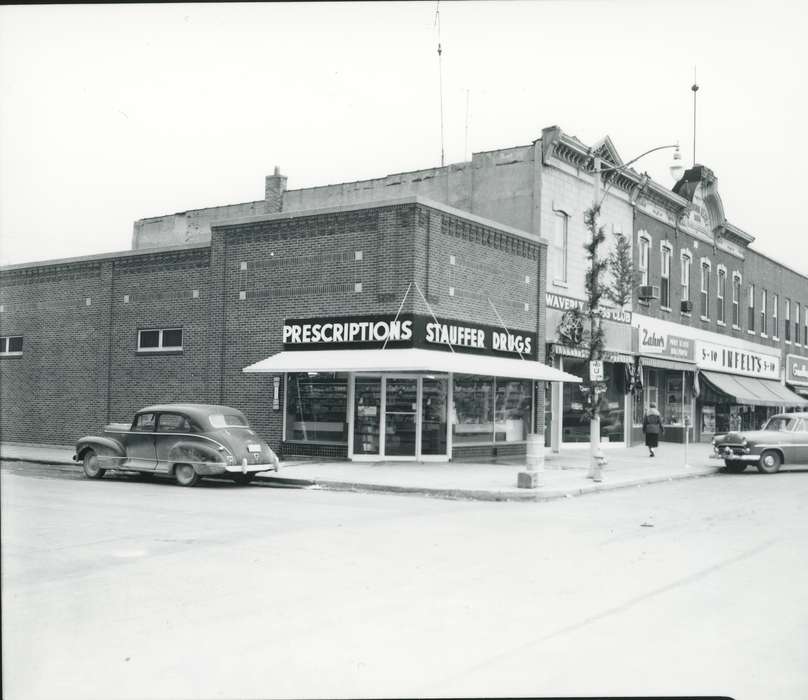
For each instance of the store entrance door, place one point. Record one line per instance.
(399, 417)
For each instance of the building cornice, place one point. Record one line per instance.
(101, 257)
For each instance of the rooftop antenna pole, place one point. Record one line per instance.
(466, 148)
(695, 89)
(440, 77)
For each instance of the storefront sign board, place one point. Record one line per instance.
(406, 331)
(564, 303)
(724, 358)
(797, 370)
(655, 339)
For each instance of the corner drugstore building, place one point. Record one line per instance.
(720, 341)
(400, 329)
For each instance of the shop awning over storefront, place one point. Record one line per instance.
(408, 360)
(664, 363)
(801, 390)
(753, 391)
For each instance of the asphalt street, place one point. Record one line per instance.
(125, 588)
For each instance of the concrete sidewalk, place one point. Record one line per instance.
(564, 474)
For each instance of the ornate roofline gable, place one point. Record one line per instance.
(607, 152)
(699, 186)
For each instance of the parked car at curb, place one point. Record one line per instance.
(186, 441)
(782, 440)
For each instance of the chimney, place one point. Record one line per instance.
(275, 187)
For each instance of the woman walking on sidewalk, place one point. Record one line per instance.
(652, 427)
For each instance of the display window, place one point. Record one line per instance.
(317, 408)
(672, 392)
(488, 409)
(575, 427)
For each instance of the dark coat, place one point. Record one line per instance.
(652, 424)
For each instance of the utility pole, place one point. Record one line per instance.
(695, 89)
(595, 450)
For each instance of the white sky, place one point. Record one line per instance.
(113, 113)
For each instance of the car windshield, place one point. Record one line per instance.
(227, 420)
(780, 423)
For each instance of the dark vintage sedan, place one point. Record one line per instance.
(186, 441)
(782, 440)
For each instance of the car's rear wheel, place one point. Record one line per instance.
(734, 466)
(92, 465)
(186, 475)
(244, 478)
(770, 462)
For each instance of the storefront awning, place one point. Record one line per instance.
(664, 363)
(408, 360)
(583, 354)
(753, 391)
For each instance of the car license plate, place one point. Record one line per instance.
(253, 447)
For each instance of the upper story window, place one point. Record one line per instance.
(705, 289)
(763, 303)
(787, 320)
(721, 293)
(560, 252)
(736, 300)
(686, 261)
(797, 322)
(159, 340)
(775, 320)
(751, 319)
(11, 345)
(665, 280)
(645, 252)
(805, 325)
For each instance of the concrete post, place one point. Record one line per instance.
(533, 476)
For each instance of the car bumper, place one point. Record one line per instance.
(250, 468)
(729, 455)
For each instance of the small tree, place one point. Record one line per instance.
(594, 294)
(624, 276)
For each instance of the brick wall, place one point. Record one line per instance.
(56, 390)
(755, 269)
(81, 368)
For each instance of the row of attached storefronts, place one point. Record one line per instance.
(702, 383)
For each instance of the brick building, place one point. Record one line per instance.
(706, 371)
(401, 329)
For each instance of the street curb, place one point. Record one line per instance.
(39, 460)
(527, 495)
(492, 496)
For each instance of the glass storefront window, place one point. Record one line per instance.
(317, 408)
(491, 410)
(367, 415)
(473, 417)
(512, 410)
(612, 412)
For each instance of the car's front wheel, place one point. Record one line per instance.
(186, 475)
(770, 462)
(734, 466)
(92, 465)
